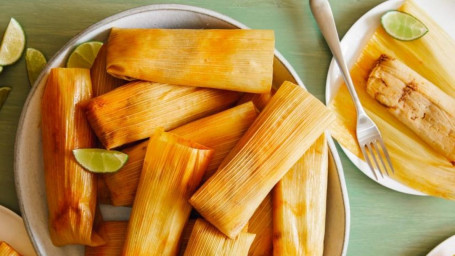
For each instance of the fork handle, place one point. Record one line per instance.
(323, 14)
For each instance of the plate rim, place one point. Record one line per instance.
(137, 10)
(329, 94)
(8, 213)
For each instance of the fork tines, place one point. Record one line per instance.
(376, 149)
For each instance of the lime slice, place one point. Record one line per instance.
(13, 43)
(35, 61)
(84, 55)
(100, 160)
(403, 26)
(4, 91)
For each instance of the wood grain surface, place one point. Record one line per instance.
(383, 222)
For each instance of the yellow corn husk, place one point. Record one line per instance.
(220, 132)
(207, 240)
(103, 192)
(115, 233)
(416, 102)
(260, 100)
(102, 82)
(299, 204)
(132, 112)
(228, 59)
(261, 225)
(186, 234)
(71, 191)
(7, 250)
(416, 164)
(122, 185)
(173, 168)
(283, 131)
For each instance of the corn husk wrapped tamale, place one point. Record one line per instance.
(133, 111)
(186, 235)
(260, 100)
(283, 131)
(122, 185)
(416, 102)
(104, 195)
(261, 225)
(228, 59)
(173, 169)
(220, 132)
(7, 250)
(416, 164)
(299, 204)
(207, 240)
(115, 235)
(71, 191)
(102, 82)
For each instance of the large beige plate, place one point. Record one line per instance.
(28, 156)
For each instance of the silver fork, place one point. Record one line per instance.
(368, 135)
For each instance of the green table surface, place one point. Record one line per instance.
(383, 222)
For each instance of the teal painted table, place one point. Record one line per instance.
(383, 222)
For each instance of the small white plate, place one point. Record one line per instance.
(446, 248)
(353, 43)
(12, 231)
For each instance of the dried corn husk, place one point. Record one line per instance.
(104, 195)
(416, 164)
(102, 82)
(228, 59)
(7, 250)
(207, 240)
(299, 204)
(133, 111)
(71, 191)
(186, 235)
(284, 130)
(173, 168)
(115, 232)
(260, 100)
(261, 225)
(220, 132)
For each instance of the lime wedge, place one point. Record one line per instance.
(84, 55)
(13, 43)
(35, 61)
(4, 91)
(100, 160)
(403, 26)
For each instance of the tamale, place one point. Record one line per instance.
(7, 250)
(261, 225)
(186, 235)
(133, 111)
(207, 240)
(115, 235)
(260, 100)
(299, 204)
(416, 102)
(71, 191)
(416, 164)
(102, 190)
(283, 131)
(220, 132)
(173, 168)
(228, 59)
(102, 82)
